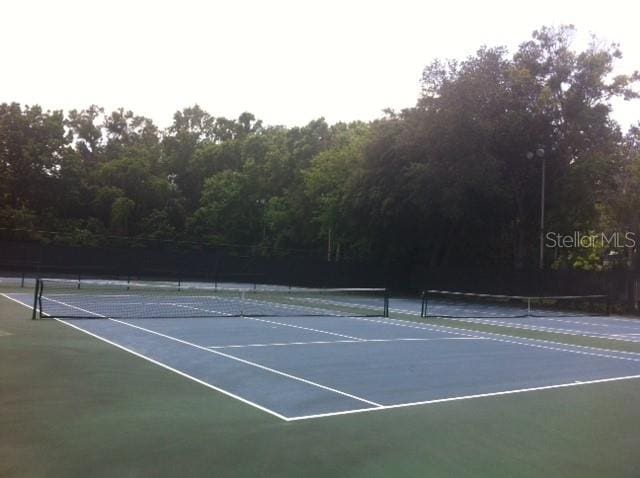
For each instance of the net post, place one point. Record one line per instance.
(423, 310)
(385, 312)
(36, 294)
(242, 302)
(79, 277)
(528, 306)
(22, 281)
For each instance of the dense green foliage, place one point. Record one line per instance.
(445, 182)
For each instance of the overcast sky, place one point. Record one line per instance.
(287, 62)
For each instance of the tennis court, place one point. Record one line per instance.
(296, 362)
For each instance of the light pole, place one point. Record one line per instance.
(540, 154)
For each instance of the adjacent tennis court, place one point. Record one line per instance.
(589, 319)
(300, 355)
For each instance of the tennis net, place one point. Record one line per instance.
(69, 299)
(442, 303)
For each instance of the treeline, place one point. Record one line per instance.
(453, 180)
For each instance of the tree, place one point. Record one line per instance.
(328, 183)
(131, 135)
(122, 212)
(32, 145)
(228, 212)
(87, 135)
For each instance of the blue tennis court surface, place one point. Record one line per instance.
(304, 367)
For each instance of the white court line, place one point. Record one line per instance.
(329, 342)
(222, 354)
(17, 301)
(467, 397)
